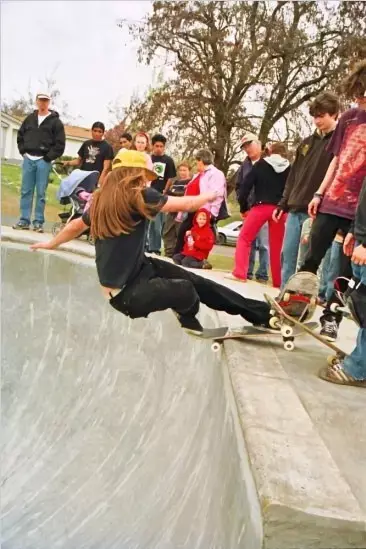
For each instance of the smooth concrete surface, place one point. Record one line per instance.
(116, 434)
(267, 430)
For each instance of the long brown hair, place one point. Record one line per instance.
(115, 205)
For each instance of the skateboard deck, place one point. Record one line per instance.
(299, 296)
(286, 323)
(219, 335)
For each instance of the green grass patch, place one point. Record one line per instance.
(11, 177)
(221, 262)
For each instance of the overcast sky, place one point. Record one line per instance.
(77, 43)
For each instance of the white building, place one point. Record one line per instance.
(75, 137)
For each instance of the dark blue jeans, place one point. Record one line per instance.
(34, 178)
(260, 244)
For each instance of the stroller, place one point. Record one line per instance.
(75, 189)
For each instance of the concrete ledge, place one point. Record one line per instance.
(306, 501)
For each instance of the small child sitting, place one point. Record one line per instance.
(198, 242)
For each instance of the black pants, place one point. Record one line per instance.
(162, 285)
(322, 234)
(185, 226)
(187, 261)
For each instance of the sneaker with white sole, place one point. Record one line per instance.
(38, 228)
(21, 226)
(329, 329)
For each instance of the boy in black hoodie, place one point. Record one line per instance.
(41, 139)
(310, 165)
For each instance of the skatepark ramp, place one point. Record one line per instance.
(117, 434)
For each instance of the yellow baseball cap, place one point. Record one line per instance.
(133, 159)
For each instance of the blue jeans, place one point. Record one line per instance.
(291, 243)
(260, 244)
(355, 363)
(34, 178)
(154, 233)
(330, 270)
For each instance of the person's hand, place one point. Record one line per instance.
(359, 255)
(277, 214)
(42, 245)
(188, 233)
(65, 163)
(313, 206)
(348, 244)
(305, 239)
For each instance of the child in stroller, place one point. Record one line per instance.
(76, 190)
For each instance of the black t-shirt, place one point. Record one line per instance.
(119, 259)
(164, 168)
(93, 153)
(178, 187)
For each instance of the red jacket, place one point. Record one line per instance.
(204, 238)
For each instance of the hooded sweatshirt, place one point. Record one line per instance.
(46, 140)
(267, 178)
(203, 237)
(307, 172)
(360, 221)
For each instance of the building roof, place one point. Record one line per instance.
(77, 131)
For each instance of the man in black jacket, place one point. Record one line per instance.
(41, 139)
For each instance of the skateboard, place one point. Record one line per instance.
(299, 296)
(219, 335)
(287, 324)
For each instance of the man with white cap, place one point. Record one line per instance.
(252, 146)
(41, 139)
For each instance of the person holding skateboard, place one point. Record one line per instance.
(135, 284)
(352, 370)
(334, 203)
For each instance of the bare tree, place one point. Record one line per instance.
(239, 66)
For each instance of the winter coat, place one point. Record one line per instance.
(203, 237)
(47, 140)
(267, 178)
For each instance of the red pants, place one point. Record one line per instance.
(256, 218)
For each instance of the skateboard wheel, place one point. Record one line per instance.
(286, 297)
(332, 360)
(289, 345)
(334, 307)
(287, 331)
(215, 347)
(274, 322)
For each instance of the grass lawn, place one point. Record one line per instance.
(10, 193)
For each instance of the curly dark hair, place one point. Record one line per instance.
(355, 83)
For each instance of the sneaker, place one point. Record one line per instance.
(262, 280)
(206, 264)
(190, 323)
(21, 226)
(329, 330)
(38, 228)
(249, 277)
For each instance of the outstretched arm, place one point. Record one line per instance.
(188, 203)
(72, 230)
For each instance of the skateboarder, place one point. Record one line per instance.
(137, 285)
(352, 370)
